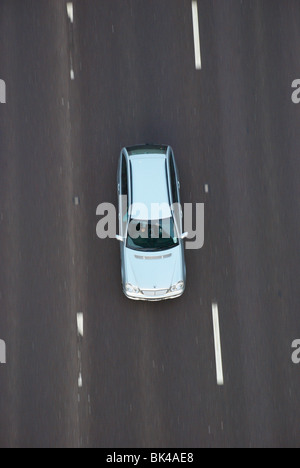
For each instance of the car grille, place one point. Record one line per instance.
(157, 257)
(155, 292)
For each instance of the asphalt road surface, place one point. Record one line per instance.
(81, 83)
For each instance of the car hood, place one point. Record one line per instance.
(149, 270)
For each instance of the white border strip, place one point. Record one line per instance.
(217, 339)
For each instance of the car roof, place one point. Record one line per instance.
(149, 185)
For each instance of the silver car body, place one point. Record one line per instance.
(152, 270)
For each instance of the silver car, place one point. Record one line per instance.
(150, 224)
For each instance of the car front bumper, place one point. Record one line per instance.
(153, 295)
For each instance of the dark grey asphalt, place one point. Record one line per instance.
(148, 370)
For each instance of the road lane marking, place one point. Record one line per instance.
(217, 340)
(70, 11)
(2, 92)
(198, 61)
(206, 188)
(80, 380)
(2, 352)
(80, 323)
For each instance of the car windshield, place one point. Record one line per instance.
(152, 236)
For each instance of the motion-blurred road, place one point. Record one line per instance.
(82, 83)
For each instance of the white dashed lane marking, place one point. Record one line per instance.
(80, 323)
(70, 11)
(198, 61)
(217, 340)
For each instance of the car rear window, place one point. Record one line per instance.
(148, 149)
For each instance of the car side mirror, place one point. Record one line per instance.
(184, 235)
(119, 238)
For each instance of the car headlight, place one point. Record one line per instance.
(178, 286)
(131, 289)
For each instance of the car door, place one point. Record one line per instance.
(123, 192)
(123, 195)
(177, 212)
(175, 192)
